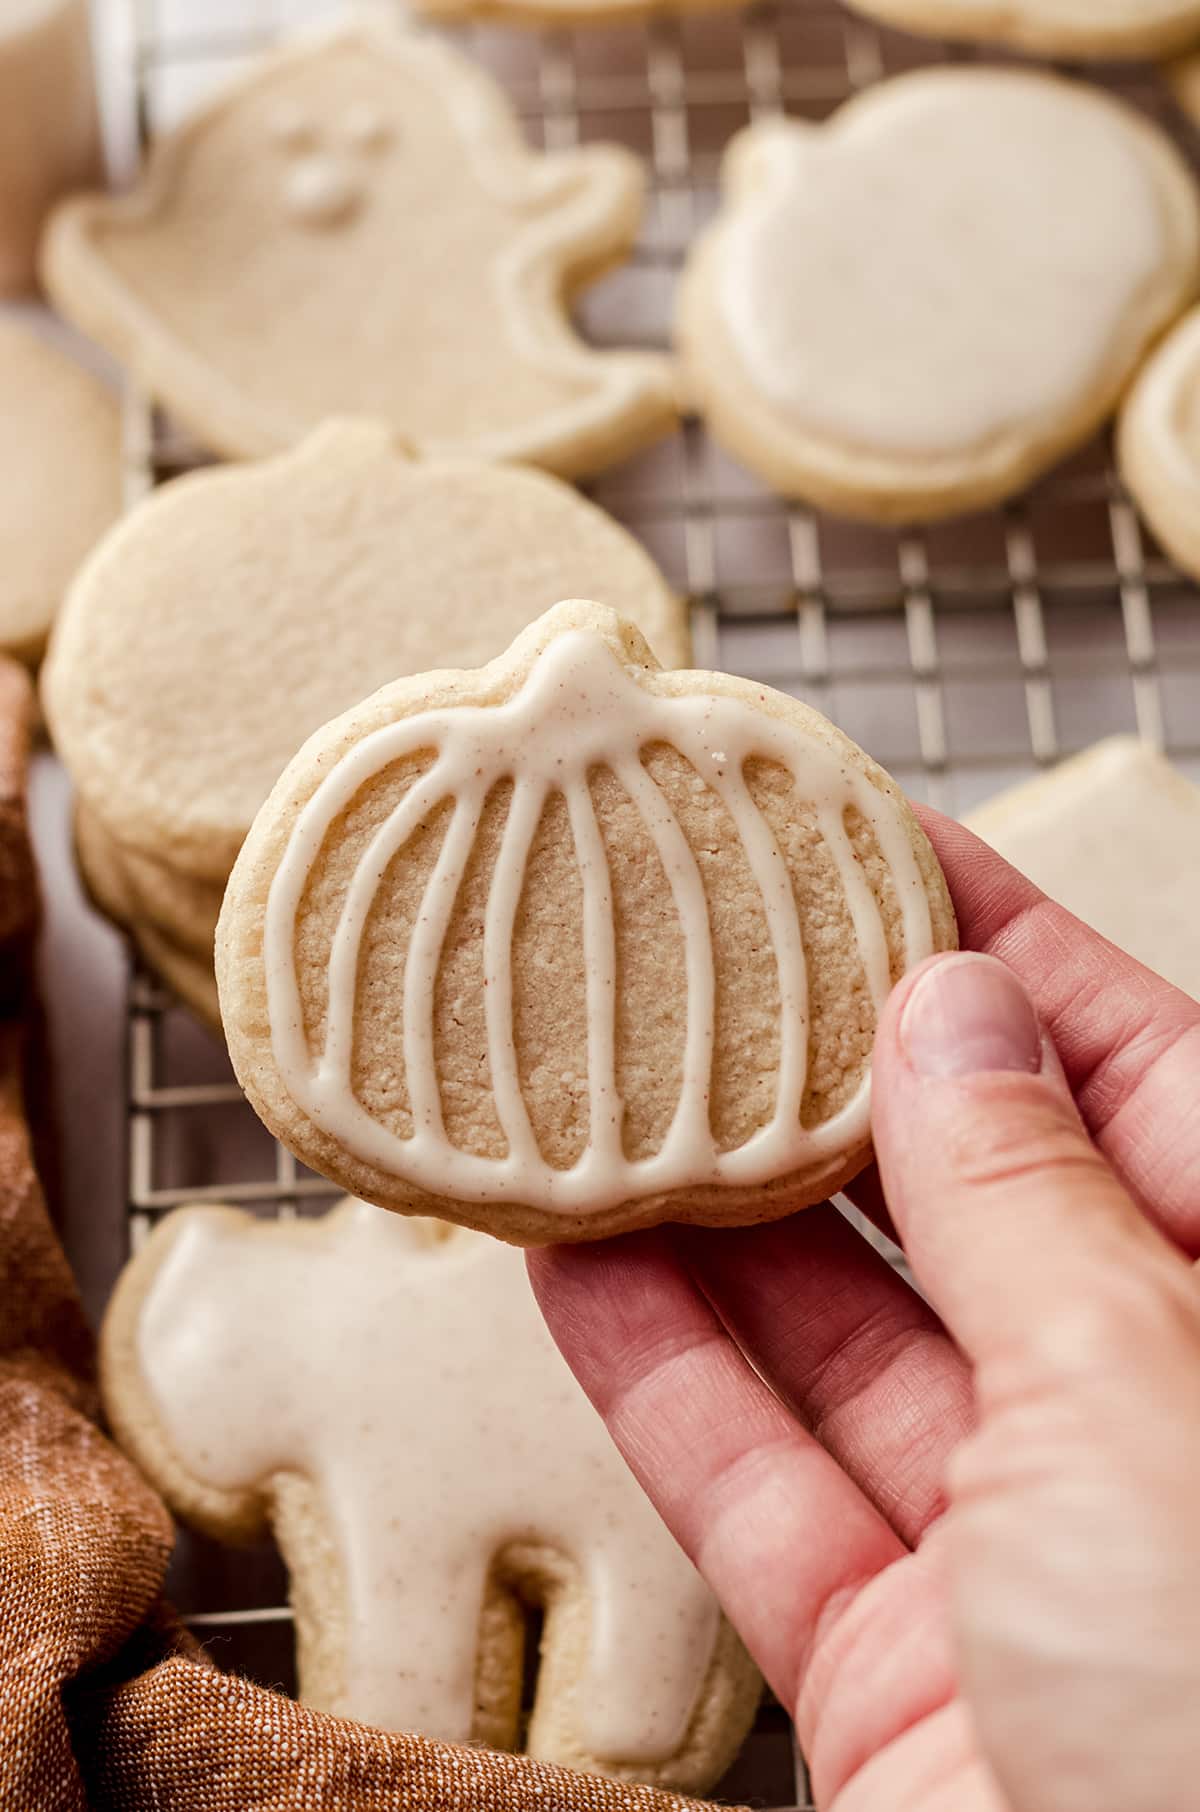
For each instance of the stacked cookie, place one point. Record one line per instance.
(236, 610)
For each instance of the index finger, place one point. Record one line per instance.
(1128, 1041)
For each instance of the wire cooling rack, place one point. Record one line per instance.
(964, 656)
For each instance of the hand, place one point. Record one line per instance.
(965, 1547)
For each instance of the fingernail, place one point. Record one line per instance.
(967, 1014)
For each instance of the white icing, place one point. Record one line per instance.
(952, 259)
(321, 190)
(578, 709)
(421, 1393)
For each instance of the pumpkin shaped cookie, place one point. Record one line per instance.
(569, 944)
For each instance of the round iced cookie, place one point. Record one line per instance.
(358, 226)
(1158, 442)
(570, 944)
(429, 1468)
(1052, 28)
(297, 586)
(917, 307)
(60, 453)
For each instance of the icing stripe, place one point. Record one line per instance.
(605, 1108)
(504, 897)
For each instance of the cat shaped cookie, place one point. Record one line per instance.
(358, 227)
(1054, 28)
(570, 944)
(429, 1466)
(920, 305)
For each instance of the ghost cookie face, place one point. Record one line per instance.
(570, 945)
(1062, 28)
(919, 306)
(359, 227)
(429, 1466)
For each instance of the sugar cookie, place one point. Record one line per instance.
(186, 968)
(1114, 835)
(359, 227)
(857, 323)
(428, 1464)
(1158, 442)
(569, 944)
(1055, 28)
(60, 452)
(309, 581)
(49, 129)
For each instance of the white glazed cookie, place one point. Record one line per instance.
(49, 130)
(1113, 835)
(857, 323)
(570, 944)
(309, 581)
(1158, 442)
(60, 454)
(1059, 28)
(358, 227)
(428, 1464)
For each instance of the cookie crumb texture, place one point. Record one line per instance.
(430, 1468)
(582, 946)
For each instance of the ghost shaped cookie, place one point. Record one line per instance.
(310, 580)
(359, 227)
(430, 1467)
(917, 307)
(1057, 28)
(570, 944)
(60, 454)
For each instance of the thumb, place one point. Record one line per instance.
(1008, 1212)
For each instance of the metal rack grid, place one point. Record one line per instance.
(964, 656)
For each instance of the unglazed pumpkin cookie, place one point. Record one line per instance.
(1114, 836)
(428, 1464)
(919, 306)
(570, 944)
(1062, 28)
(296, 587)
(186, 967)
(60, 454)
(359, 227)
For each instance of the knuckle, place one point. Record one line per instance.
(1015, 1141)
(1121, 1322)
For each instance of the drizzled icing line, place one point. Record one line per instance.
(578, 709)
